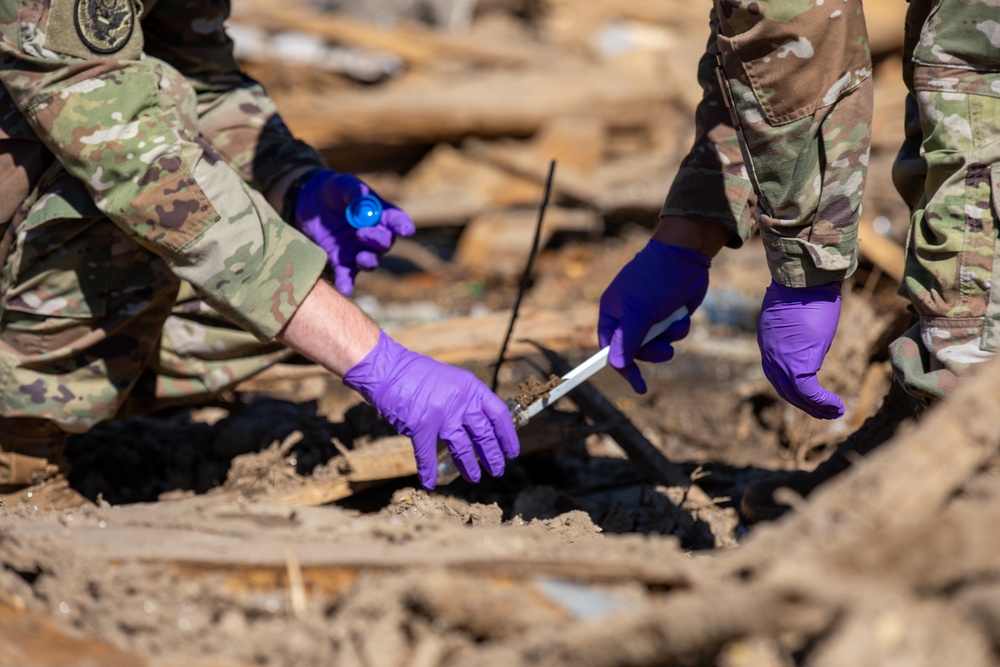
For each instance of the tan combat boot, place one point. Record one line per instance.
(33, 471)
(759, 501)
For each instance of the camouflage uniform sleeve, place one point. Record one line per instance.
(127, 128)
(235, 114)
(798, 79)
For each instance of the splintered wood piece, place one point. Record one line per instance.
(389, 458)
(881, 250)
(392, 458)
(523, 160)
(29, 639)
(498, 243)
(329, 491)
(478, 338)
(478, 103)
(415, 44)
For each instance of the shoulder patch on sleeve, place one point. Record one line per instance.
(89, 28)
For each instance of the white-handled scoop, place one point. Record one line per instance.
(581, 373)
(447, 472)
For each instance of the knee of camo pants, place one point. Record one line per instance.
(909, 170)
(952, 276)
(82, 308)
(200, 354)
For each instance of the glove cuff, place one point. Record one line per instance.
(289, 203)
(825, 292)
(674, 253)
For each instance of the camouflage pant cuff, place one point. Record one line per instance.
(798, 263)
(931, 357)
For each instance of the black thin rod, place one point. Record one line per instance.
(526, 276)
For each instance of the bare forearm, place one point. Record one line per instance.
(330, 330)
(700, 235)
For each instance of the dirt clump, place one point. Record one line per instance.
(534, 389)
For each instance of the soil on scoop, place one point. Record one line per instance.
(534, 389)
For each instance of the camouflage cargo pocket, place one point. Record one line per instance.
(59, 265)
(797, 58)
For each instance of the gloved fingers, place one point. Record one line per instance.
(607, 324)
(480, 432)
(343, 279)
(804, 393)
(781, 382)
(656, 351)
(313, 225)
(677, 330)
(462, 452)
(626, 341)
(632, 373)
(425, 452)
(503, 426)
(378, 238)
(366, 261)
(819, 402)
(397, 220)
(618, 356)
(610, 334)
(660, 348)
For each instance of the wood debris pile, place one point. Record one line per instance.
(456, 122)
(892, 563)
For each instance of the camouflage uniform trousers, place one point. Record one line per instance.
(783, 133)
(948, 171)
(89, 311)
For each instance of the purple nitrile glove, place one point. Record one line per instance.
(427, 401)
(319, 214)
(795, 331)
(656, 282)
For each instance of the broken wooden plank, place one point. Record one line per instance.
(499, 244)
(459, 340)
(448, 187)
(329, 491)
(392, 458)
(881, 250)
(523, 160)
(479, 338)
(492, 103)
(577, 141)
(580, 21)
(946, 449)
(902, 484)
(211, 536)
(415, 44)
(335, 577)
(27, 638)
